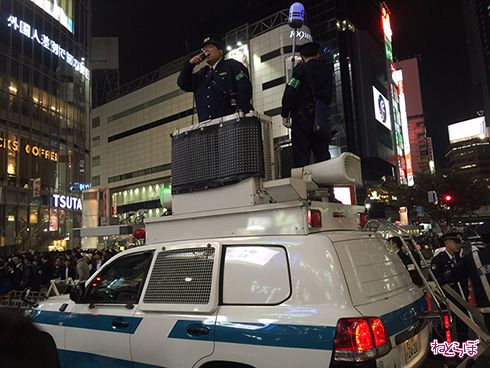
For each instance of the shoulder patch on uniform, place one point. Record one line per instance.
(295, 83)
(240, 75)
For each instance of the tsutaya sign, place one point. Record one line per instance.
(14, 146)
(67, 202)
(50, 45)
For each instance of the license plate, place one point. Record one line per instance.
(411, 349)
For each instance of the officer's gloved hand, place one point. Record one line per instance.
(287, 122)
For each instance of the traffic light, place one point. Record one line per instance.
(447, 198)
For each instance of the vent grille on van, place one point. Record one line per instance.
(182, 276)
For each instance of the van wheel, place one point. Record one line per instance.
(222, 364)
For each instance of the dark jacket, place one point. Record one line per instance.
(441, 264)
(298, 95)
(466, 268)
(215, 89)
(410, 266)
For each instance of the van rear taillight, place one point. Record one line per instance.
(360, 339)
(314, 219)
(428, 302)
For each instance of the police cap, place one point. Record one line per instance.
(309, 49)
(455, 236)
(213, 40)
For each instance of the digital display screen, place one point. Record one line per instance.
(61, 10)
(381, 108)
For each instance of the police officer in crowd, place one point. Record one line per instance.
(444, 262)
(476, 266)
(221, 87)
(448, 259)
(310, 78)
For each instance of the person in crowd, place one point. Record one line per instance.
(311, 79)
(83, 270)
(5, 282)
(476, 266)
(22, 345)
(69, 270)
(30, 277)
(221, 87)
(58, 268)
(96, 263)
(397, 244)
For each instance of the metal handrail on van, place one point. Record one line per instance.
(431, 285)
(437, 293)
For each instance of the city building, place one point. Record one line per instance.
(421, 151)
(477, 25)
(469, 148)
(130, 134)
(44, 106)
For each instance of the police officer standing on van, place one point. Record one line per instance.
(311, 79)
(221, 87)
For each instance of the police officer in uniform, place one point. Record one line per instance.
(445, 262)
(221, 87)
(476, 266)
(310, 77)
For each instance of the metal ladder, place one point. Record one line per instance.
(434, 289)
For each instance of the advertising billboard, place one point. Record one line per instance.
(61, 10)
(381, 108)
(464, 130)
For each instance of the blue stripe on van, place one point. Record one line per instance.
(278, 335)
(100, 322)
(405, 317)
(75, 359)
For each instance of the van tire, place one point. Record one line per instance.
(223, 364)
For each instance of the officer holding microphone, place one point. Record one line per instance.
(222, 87)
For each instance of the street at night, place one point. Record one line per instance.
(244, 184)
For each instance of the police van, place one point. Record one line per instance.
(253, 274)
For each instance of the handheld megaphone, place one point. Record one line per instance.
(296, 17)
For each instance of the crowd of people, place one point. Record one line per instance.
(35, 270)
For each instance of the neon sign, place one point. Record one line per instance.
(26, 30)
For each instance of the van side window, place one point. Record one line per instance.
(121, 281)
(256, 275)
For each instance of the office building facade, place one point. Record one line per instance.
(44, 106)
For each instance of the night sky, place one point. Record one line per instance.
(151, 34)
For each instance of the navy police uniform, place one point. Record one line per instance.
(218, 91)
(476, 267)
(443, 263)
(298, 103)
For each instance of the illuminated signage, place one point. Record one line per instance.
(381, 108)
(386, 23)
(78, 187)
(398, 79)
(27, 31)
(301, 35)
(14, 146)
(67, 202)
(62, 13)
(464, 130)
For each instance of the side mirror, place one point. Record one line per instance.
(77, 293)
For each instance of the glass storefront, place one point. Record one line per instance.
(44, 105)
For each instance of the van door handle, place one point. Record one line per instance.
(120, 323)
(197, 330)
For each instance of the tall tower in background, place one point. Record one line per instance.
(420, 145)
(477, 22)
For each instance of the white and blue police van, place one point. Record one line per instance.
(255, 274)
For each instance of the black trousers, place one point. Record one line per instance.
(304, 142)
